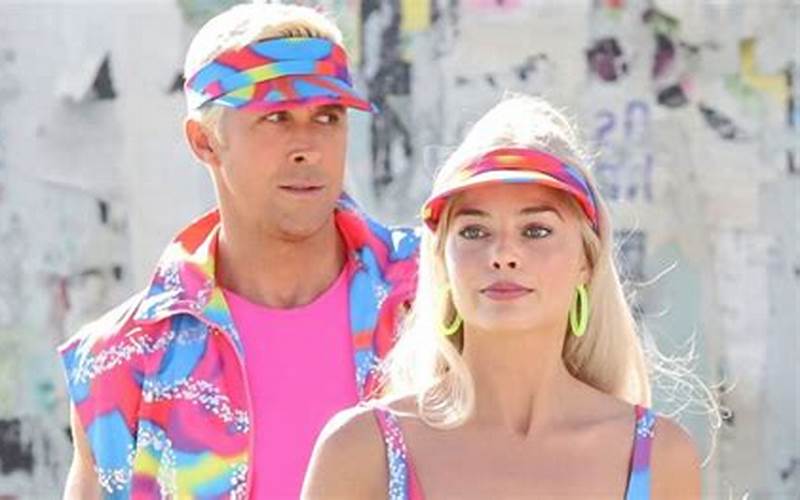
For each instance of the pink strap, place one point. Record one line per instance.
(403, 482)
(639, 478)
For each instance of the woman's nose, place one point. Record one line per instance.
(512, 264)
(505, 255)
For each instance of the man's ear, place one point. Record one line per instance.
(204, 147)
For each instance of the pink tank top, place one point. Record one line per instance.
(300, 371)
(404, 485)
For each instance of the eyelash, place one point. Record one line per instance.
(281, 116)
(464, 233)
(537, 227)
(334, 118)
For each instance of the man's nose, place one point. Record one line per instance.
(305, 156)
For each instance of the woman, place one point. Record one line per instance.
(519, 373)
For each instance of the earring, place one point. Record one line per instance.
(453, 328)
(448, 330)
(579, 312)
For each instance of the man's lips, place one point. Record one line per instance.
(301, 188)
(505, 290)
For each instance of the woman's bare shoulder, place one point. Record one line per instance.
(604, 408)
(402, 406)
(349, 427)
(674, 462)
(349, 458)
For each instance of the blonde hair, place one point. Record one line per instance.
(244, 24)
(609, 357)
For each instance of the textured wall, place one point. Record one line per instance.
(690, 105)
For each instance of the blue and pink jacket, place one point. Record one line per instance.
(159, 382)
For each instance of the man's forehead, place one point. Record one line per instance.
(327, 108)
(299, 107)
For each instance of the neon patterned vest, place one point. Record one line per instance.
(159, 383)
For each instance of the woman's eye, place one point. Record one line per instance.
(537, 232)
(472, 233)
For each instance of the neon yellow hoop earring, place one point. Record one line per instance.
(448, 330)
(579, 312)
(453, 328)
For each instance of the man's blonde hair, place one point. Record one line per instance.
(244, 24)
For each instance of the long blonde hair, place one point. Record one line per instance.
(609, 357)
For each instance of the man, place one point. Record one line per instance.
(264, 317)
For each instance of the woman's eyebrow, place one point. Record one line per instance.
(539, 209)
(467, 211)
(470, 211)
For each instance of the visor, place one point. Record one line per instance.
(276, 74)
(513, 166)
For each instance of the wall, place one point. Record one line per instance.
(690, 105)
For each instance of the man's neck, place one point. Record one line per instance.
(277, 272)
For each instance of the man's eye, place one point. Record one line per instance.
(328, 118)
(275, 117)
(537, 232)
(472, 233)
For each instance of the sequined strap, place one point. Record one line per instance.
(639, 479)
(396, 454)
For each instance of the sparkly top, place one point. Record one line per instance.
(404, 484)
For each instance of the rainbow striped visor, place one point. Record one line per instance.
(514, 165)
(276, 74)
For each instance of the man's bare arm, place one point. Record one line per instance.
(82, 483)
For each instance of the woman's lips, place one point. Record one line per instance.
(505, 290)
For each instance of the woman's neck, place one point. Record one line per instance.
(521, 382)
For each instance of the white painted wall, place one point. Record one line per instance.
(723, 213)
